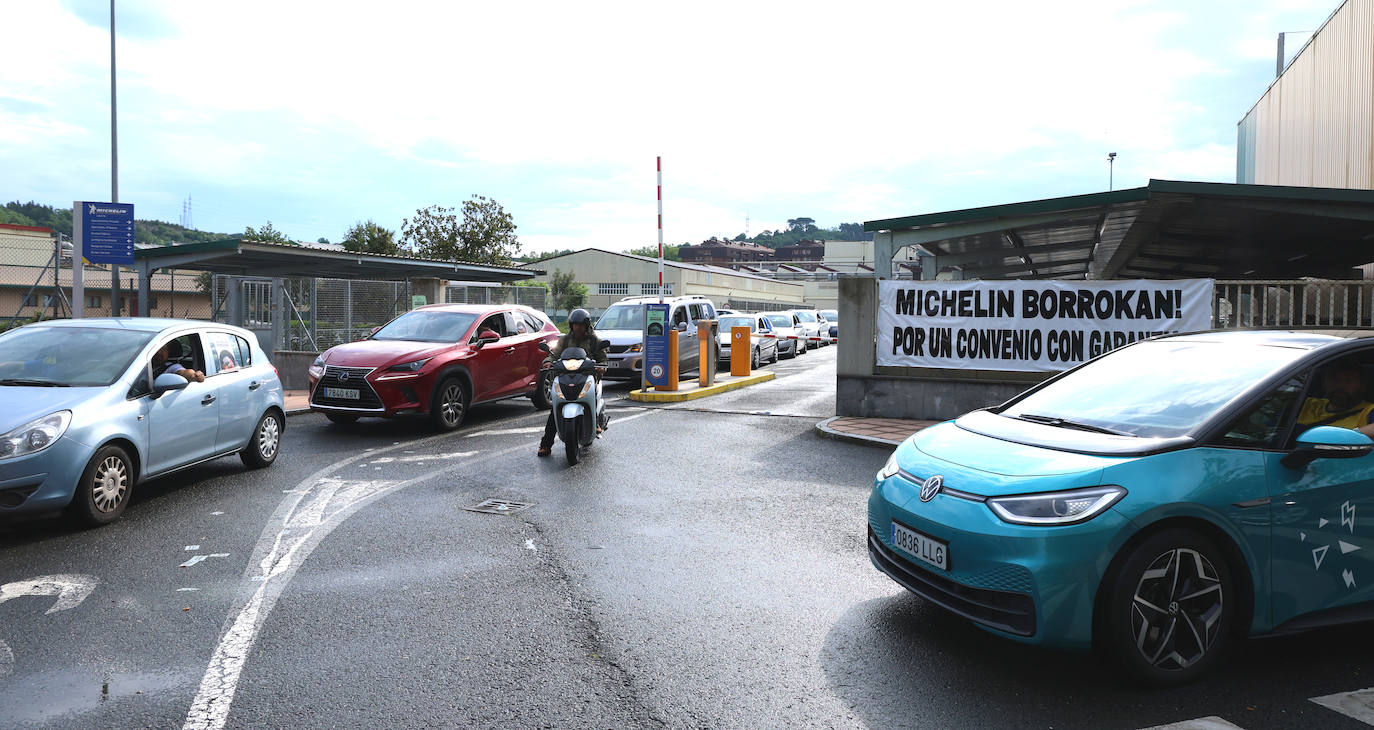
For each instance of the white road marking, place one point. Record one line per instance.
(1202, 723)
(194, 559)
(1358, 704)
(70, 588)
(298, 525)
(192, 547)
(529, 545)
(183, 590)
(216, 513)
(423, 458)
(504, 431)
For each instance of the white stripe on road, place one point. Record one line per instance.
(1201, 723)
(319, 504)
(1358, 705)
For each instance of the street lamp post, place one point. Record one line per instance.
(114, 162)
(1111, 162)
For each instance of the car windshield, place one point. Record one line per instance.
(67, 356)
(1154, 389)
(806, 316)
(780, 320)
(427, 325)
(727, 322)
(622, 317)
(830, 314)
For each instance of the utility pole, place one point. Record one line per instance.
(1111, 162)
(114, 162)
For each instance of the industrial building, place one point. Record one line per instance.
(1314, 126)
(610, 276)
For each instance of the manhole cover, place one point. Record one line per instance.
(499, 506)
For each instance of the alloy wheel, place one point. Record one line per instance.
(1177, 609)
(111, 484)
(269, 438)
(452, 404)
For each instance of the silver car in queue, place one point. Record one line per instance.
(83, 418)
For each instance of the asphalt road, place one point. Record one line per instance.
(703, 567)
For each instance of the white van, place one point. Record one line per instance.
(623, 324)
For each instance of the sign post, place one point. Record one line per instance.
(104, 235)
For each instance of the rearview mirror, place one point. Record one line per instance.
(168, 382)
(681, 327)
(486, 337)
(543, 346)
(1328, 442)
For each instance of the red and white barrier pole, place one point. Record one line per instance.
(660, 230)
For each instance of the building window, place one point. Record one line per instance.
(33, 300)
(613, 289)
(94, 302)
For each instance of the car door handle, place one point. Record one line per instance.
(254, 385)
(207, 400)
(510, 350)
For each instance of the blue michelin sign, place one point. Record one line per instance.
(656, 334)
(107, 232)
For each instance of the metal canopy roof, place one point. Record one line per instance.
(252, 258)
(1165, 230)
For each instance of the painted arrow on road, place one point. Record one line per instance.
(70, 588)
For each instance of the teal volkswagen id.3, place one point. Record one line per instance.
(1154, 503)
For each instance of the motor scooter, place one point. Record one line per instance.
(576, 396)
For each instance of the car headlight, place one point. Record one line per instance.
(317, 367)
(409, 367)
(889, 469)
(1056, 508)
(637, 347)
(35, 435)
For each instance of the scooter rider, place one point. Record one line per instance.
(580, 334)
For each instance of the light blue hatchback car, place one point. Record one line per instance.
(88, 409)
(1154, 503)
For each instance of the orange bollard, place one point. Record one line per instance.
(741, 350)
(706, 352)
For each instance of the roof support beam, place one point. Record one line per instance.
(997, 254)
(887, 243)
(1035, 269)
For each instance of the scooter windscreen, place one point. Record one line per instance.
(574, 359)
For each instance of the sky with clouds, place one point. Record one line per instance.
(316, 115)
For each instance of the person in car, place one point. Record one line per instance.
(1344, 405)
(580, 334)
(163, 363)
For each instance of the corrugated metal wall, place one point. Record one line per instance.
(1315, 124)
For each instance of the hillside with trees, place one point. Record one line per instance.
(145, 231)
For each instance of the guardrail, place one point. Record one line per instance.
(1304, 303)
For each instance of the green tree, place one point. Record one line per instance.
(267, 234)
(564, 292)
(485, 234)
(15, 218)
(670, 253)
(323, 240)
(368, 237)
(803, 225)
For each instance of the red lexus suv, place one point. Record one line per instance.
(436, 360)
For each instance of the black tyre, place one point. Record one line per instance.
(449, 405)
(341, 418)
(540, 396)
(775, 356)
(265, 444)
(754, 360)
(1170, 607)
(573, 446)
(791, 353)
(104, 489)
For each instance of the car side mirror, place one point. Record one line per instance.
(168, 382)
(1328, 442)
(605, 344)
(543, 346)
(486, 337)
(680, 327)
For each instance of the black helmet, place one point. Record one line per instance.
(580, 315)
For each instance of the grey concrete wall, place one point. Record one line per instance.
(293, 367)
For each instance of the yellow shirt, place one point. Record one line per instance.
(1316, 410)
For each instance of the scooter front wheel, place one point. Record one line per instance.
(574, 451)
